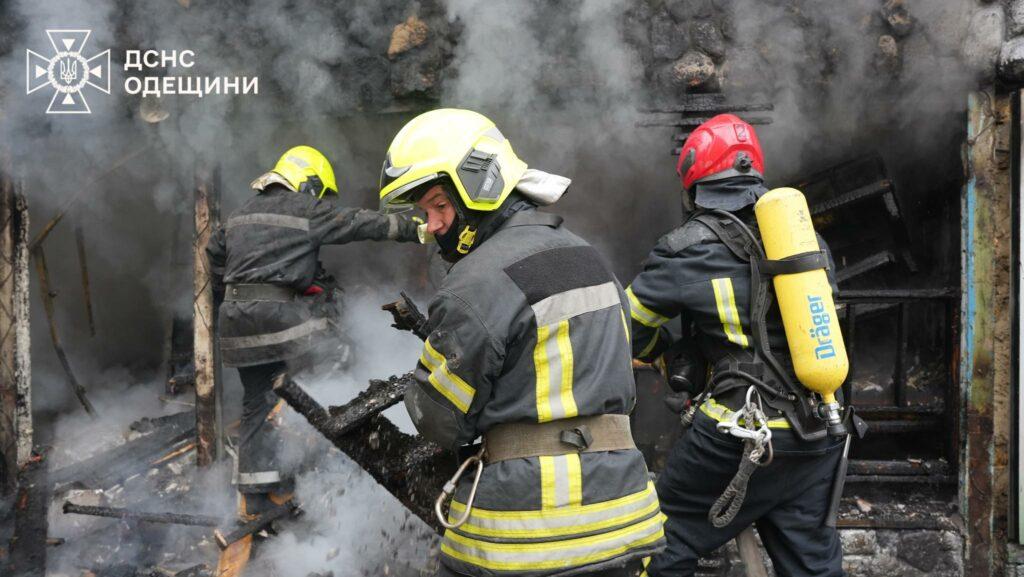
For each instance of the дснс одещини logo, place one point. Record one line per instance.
(67, 71)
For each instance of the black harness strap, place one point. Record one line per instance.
(805, 262)
(743, 243)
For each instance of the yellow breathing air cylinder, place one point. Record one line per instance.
(805, 299)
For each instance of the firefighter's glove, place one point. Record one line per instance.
(407, 316)
(678, 403)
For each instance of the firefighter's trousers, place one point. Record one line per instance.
(259, 441)
(633, 568)
(787, 501)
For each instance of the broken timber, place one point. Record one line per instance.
(410, 468)
(119, 463)
(208, 437)
(47, 296)
(15, 359)
(243, 530)
(83, 266)
(31, 522)
(143, 516)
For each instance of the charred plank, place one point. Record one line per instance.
(410, 468)
(143, 516)
(225, 539)
(132, 457)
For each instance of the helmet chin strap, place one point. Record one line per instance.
(458, 240)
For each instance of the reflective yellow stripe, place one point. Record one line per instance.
(625, 325)
(565, 553)
(561, 482)
(547, 482)
(642, 314)
(540, 363)
(456, 390)
(565, 350)
(575, 479)
(725, 299)
(721, 413)
(553, 363)
(555, 527)
(581, 511)
(650, 346)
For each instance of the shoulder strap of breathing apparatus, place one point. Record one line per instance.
(792, 398)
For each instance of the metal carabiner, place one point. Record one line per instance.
(449, 491)
(731, 425)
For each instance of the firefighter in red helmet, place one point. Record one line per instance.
(700, 307)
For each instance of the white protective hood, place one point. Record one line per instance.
(542, 187)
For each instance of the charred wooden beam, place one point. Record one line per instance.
(47, 296)
(928, 523)
(226, 539)
(410, 468)
(31, 523)
(83, 267)
(132, 457)
(865, 265)
(204, 325)
(379, 396)
(896, 295)
(880, 467)
(15, 359)
(142, 516)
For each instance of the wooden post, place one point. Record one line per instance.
(985, 335)
(15, 365)
(205, 352)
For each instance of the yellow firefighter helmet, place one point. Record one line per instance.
(307, 170)
(463, 145)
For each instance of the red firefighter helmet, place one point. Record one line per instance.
(723, 146)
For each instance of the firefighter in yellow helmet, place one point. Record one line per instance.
(278, 307)
(527, 347)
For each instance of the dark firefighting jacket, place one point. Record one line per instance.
(692, 275)
(531, 327)
(275, 238)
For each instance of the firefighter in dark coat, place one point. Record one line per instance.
(278, 308)
(700, 273)
(528, 348)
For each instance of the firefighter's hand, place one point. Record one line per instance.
(407, 316)
(678, 402)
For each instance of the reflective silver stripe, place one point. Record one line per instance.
(552, 554)
(555, 368)
(305, 329)
(392, 227)
(561, 493)
(575, 302)
(300, 162)
(259, 478)
(270, 219)
(553, 363)
(571, 520)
